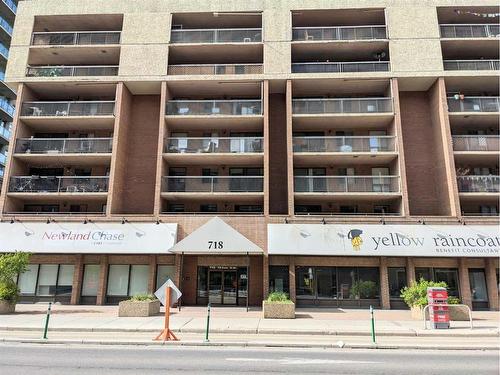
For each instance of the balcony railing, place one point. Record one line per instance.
(474, 104)
(476, 142)
(7, 107)
(215, 69)
(6, 26)
(346, 184)
(345, 144)
(3, 159)
(71, 71)
(471, 64)
(478, 184)
(215, 145)
(216, 36)
(4, 51)
(11, 5)
(58, 184)
(470, 30)
(341, 67)
(77, 108)
(4, 132)
(214, 107)
(214, 184)
(75, 38)
(331, 105)
(339, 33)
(64, 145)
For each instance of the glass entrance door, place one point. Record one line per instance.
(222, 287)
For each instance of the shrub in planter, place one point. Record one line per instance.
(278, 306)
(10, 266)
(363, 290)
(139, 305)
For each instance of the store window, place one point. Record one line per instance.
(27, 280)
(163, 273)
(127, 280)
(304, 277)
(448, 275)
(90, 283)
(397, 281)
(47, 280)
(279, 279)
(478, 289)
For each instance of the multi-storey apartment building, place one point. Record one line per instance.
(8, 9)
(336, 151)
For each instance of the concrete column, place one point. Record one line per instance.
(291, 273)
(463, 279)
(77, 280)
(152, 274)
(178, 270)
(385, 299)
(103, 280)
(265, 275)
(491, 283)
(410, 271)
(289, 147)
(265, 111)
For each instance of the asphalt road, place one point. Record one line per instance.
(74, 360)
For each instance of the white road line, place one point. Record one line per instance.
(300, 361)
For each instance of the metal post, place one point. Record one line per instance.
(179, 302)
(373, 324)
(45, 330)
(208, 323)
(248, 279)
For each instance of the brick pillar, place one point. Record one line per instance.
(77, 280)
(291, 273)
(491, 283)
(103, 280)
(178, 271)
(265, 275)
(463, 279)
(410, 271)
(385, 298)
(152, 274)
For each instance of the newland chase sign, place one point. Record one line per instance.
(384, 240)
(132, 238)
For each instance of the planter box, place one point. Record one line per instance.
(138, 308)
(7, 307)
(457, 313)
(277, 310)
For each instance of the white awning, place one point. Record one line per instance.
(216, 237)
(90, 238)
(384, 240)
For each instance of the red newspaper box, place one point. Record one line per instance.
(439, 315)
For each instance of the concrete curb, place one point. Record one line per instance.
(244, 344)
(429, 333)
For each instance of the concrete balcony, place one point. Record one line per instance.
(210, 36)
(310, 151)
(6, 110)
(8, 9)
(3, 160)
(339, 33)
(215, 69)
(341, 67)
(198, 114)
(460, 31)
(41, 187)
(75, 38)
(79, 151)
(4, 135)
(471, 64)
(476, 149)
(346, 185)
(4, 53)
(53, 71)
(478, 185)
(474, 104)
(214, 150)
(355, 112)
(5, 31)
(242, 188)
(69, 114)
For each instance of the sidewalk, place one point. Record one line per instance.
(100, 324)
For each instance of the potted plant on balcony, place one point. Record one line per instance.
(139, 305)
(278, 306)
(415, 296)
(11, 265)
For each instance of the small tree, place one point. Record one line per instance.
(10, 266)
(415, 295)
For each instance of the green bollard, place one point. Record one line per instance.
(47, 322)
(208, 323)
(373, 324)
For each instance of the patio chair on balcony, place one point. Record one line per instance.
(36, 111)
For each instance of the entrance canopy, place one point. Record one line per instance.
(216, 237)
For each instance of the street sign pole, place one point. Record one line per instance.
(167, 334)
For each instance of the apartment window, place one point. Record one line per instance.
(279, 279)
(490, 210)
(308, 208)
(208, 207)
(249, 208)
(90, 283)
(397, 281)
(353, 209)
(381, 209)
(41, 208)
(209, 172)
(175, 207)
(163, 273)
